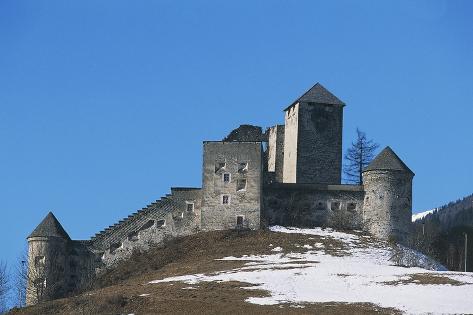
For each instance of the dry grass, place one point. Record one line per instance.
(118, 291)
(425, 279)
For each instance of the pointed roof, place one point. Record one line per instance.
(388, 160)
(318, 94)
(49, 227)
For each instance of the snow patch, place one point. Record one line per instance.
(421, 215)
(365, 274)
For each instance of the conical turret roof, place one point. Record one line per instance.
(49, 227)
(318, 94)
(388, 160)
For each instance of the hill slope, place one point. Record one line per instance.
(279, 271)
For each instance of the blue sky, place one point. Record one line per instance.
(104, 104)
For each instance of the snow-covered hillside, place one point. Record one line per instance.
(421, 215)
(347, 268)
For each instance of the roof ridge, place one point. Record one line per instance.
(387, 159)
(50, 227)
(318, 94)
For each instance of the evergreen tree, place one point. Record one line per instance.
(358, 156)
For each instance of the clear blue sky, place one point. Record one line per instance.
(104, 104)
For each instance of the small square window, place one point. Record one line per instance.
(320, 205)
(220, 166)
(39, 261)
(240, 219)
(225, 199)
(334, 206)
(242, 167)
(226, 177)
(351, 206)
(241, 185)
(190, 206)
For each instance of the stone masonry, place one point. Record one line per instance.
(288, 175)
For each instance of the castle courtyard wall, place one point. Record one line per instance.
(309, 205)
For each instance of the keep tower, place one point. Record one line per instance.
(313, 138)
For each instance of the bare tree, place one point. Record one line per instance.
(3, 287)
(358, 156)
(20, 280)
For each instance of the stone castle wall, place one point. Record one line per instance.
(319, 144)
(276, 152)
(241, 164)
(387, 205)
(310, 205)
(298, 185)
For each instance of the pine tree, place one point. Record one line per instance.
(358, 156)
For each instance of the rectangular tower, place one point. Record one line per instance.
(231, 188)
(313, 138)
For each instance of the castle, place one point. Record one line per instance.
(288, 175)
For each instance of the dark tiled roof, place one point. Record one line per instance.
(387, 160)
(318, 94)
(50, 226)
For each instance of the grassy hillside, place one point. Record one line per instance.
(242, 281)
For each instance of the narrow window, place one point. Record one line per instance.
(160, 223)
(219, 166)
(240, 219)
(334, 206)
(351, 206)
(147, 225)
(114, 247)
(320, 206)
(39, 261)
(241, 185)
(133, 236)
(226, 177)
(242, 167)
(225, 199)
(190, 206)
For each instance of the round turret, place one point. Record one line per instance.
(46, 261)
(387, 208)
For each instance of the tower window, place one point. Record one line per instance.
(219, 166)
(39, 261)
(239, 222)
(320, 205)
(190, 206)
(226, 177)
(242, 167)
(351, 206)
(334, 206)
(160, 223)
(225, 200)
(241, 185)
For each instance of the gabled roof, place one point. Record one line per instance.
(49, 227)
(388, 160)
(318, 94)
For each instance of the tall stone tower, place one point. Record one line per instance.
(313, 138)
(387, 209)
(47, 248)
(232, 185)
